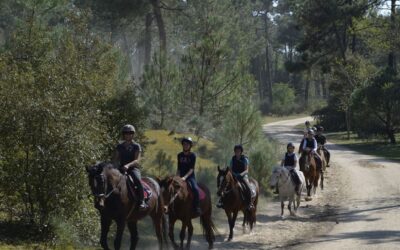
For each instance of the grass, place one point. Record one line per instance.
(162, 140)
(376, 147)
(274, 118)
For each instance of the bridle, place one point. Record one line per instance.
(173, 193)
(223, 187)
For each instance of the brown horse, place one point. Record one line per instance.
(112, 200)
(311, 173)
(179, 199)
(229, 191)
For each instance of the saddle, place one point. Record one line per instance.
(202, 194)
(131, 185)
(242, 189)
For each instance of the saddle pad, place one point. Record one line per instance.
(146, 190)
(202, 194)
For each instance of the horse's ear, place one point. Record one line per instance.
(87, 169)
(219, 170)
(158, 179)
(227, 169)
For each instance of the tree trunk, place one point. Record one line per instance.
(348, 117)
(161, 28)
(147, 39)
(392, 57)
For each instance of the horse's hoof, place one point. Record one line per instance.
(230, 238)
(282, 217)
(308, 199)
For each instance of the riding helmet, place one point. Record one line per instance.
(128, 128)
(188, 140)
(320, 128)
(310, 132)
(290, 144)
(238, 146)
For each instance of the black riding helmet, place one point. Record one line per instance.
(290, 144)
(188, 140)
(238, 146)
(320, 128)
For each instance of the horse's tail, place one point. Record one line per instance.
(250, 215)
(208, 226)
(206, 222)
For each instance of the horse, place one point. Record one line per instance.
(310, 172)
(229, 190)
(112, 199)
(179, 206)
(281, 177)
(321, 153)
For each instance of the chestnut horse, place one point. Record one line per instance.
(179, 206)
(311, 173)
(110, 189)
(229, 191)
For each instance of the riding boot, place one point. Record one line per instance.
(276, 190)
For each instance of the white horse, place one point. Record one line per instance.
(281, 177)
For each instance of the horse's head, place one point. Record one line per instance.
(97, 183)
(171, 188)
(276, 174)
(225, 181)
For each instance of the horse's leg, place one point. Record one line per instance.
(157, 222)
(244, 220)
(105, 227)
(282, 207)
(229, 215)
(234, 216)
(183, 232)
(119, 233)
(190, 233)
(322, 180)
(290, 206)
(171, 231)
(132, 225)
(308, 184)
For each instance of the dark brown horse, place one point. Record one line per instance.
(310, 171)
(229, 191)
(112, 200)
(179, 206)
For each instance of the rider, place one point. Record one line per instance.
(310, 145)
(321, 140)
(186, 164)
(127, 154)
(289, 161)
(240, 169)
(305, 132)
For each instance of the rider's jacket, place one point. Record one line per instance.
(290, 159)
(185, 163)
(239, 165)
(321, 139)
(127, 152)
(310, 144)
